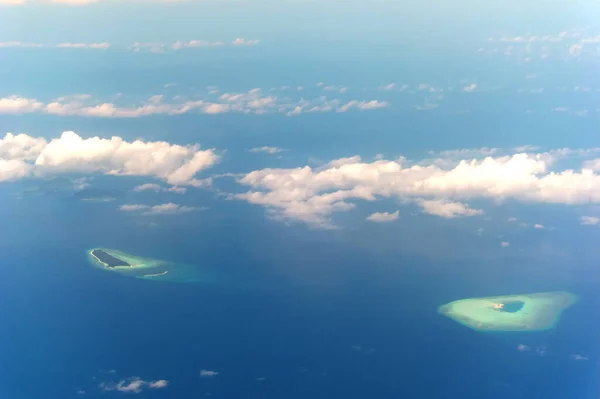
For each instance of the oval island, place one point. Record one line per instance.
(527, 312)
(145, 268)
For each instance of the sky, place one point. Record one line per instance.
(424, 105)
(391, 126)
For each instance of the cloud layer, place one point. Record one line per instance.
(251, 102)
(150, 47)
(22, 155)
(438, 186)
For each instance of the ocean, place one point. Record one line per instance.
(293, 313)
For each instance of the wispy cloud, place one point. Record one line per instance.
(244, 42)
(578, 357)
(133, 385)
(251, 102)
(382, 217)
(208, 373)
(568, 44)
(68, 45)
(158, 188)
(589, 220)
(137, 47)
(163, 209)
(266, 149)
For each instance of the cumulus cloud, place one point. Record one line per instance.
(133, 385)
(538, 226)
(505, 244)
(19, 105)
(448, 209)
(312, 195)
(23, 155)
(381, 217)
(163, 209)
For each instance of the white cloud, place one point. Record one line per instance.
(19, 105)
(578, 357)
(469, 88)
(505, 244)
(94, 46)
(179, 45)
(24, 155)
(169, 209)
(20, 147)
(447, 209)
(589, 220)
(538, 226)
(523, 348)
(158, 384)
(148, 187)
(245, 42)
(363, 105)
(151, 47)
(158, 188)
(251, 102)
(381, 217)
(208, 373)
(313, 195)
(69, 45)
(266, 149)
(133, 385)
(575, 49)
(163, 209)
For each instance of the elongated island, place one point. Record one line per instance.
(527, 312)
(145, 268)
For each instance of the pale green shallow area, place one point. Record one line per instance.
(151, 269)
(539, 312)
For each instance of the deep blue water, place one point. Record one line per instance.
(312, 314)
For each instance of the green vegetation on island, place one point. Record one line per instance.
(107, 259)
(527, 312)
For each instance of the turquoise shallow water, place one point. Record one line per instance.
(153, 269)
